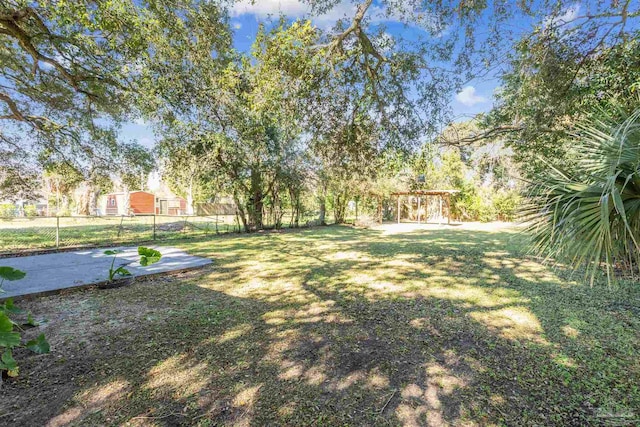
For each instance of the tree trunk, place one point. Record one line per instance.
(93, 200)
(63, 209)
(340, 207)
(82, 200)
(126, 200)
(295, 207)
(241, 213)
(58, 197)
(190, 199)
(89, 198)
(338, 212)
(256, 200)
(323, 210)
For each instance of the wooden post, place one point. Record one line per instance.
(426, 209)
(449, 209)
(398, 209)
(440, 220)
(419, 209)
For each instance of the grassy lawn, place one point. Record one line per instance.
(40, 233)
(339, 326)
(20, 234)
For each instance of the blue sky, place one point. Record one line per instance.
(246, 16)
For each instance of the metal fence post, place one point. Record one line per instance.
(154, 226)
(57, 232)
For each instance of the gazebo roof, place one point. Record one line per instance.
(425, 192)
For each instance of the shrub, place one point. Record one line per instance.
(464, 205)
(472, 204)
(7, 210)
(485, 212)
(506, 204)
(30, 211)
(64, 212)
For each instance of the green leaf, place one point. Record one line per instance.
(6, 325)
(9, 307)
(618, 204)
(122, 271)
(590, 219)
(112, 251)
(148, 256)
(31, 321)
(8, 338)
(7, 358)
(40, 345)
(10, 273)
(8, 363)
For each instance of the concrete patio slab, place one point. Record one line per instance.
(62, 270)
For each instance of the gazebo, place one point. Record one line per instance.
(443, 195)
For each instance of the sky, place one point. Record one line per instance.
(246, 16)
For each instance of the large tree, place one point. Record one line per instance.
(239, 113)
(577, 60)
(70, 73)
(64, 71)
(539, 107)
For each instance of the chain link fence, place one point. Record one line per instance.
(20, 234)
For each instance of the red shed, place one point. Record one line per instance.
(140, 202)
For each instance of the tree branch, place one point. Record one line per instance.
(487, 134)
(10, 25)
(355, 25)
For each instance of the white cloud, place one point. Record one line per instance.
(297, 9)
(343, 10)
(264, 8)
(467, 96)
(140, 121)
(568, 15)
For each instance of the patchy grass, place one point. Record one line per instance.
(23, 234)
(20, 234)
(339, 326)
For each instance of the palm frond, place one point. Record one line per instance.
(592, 218)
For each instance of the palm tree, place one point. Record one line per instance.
(591, 218)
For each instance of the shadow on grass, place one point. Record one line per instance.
(340, 326)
